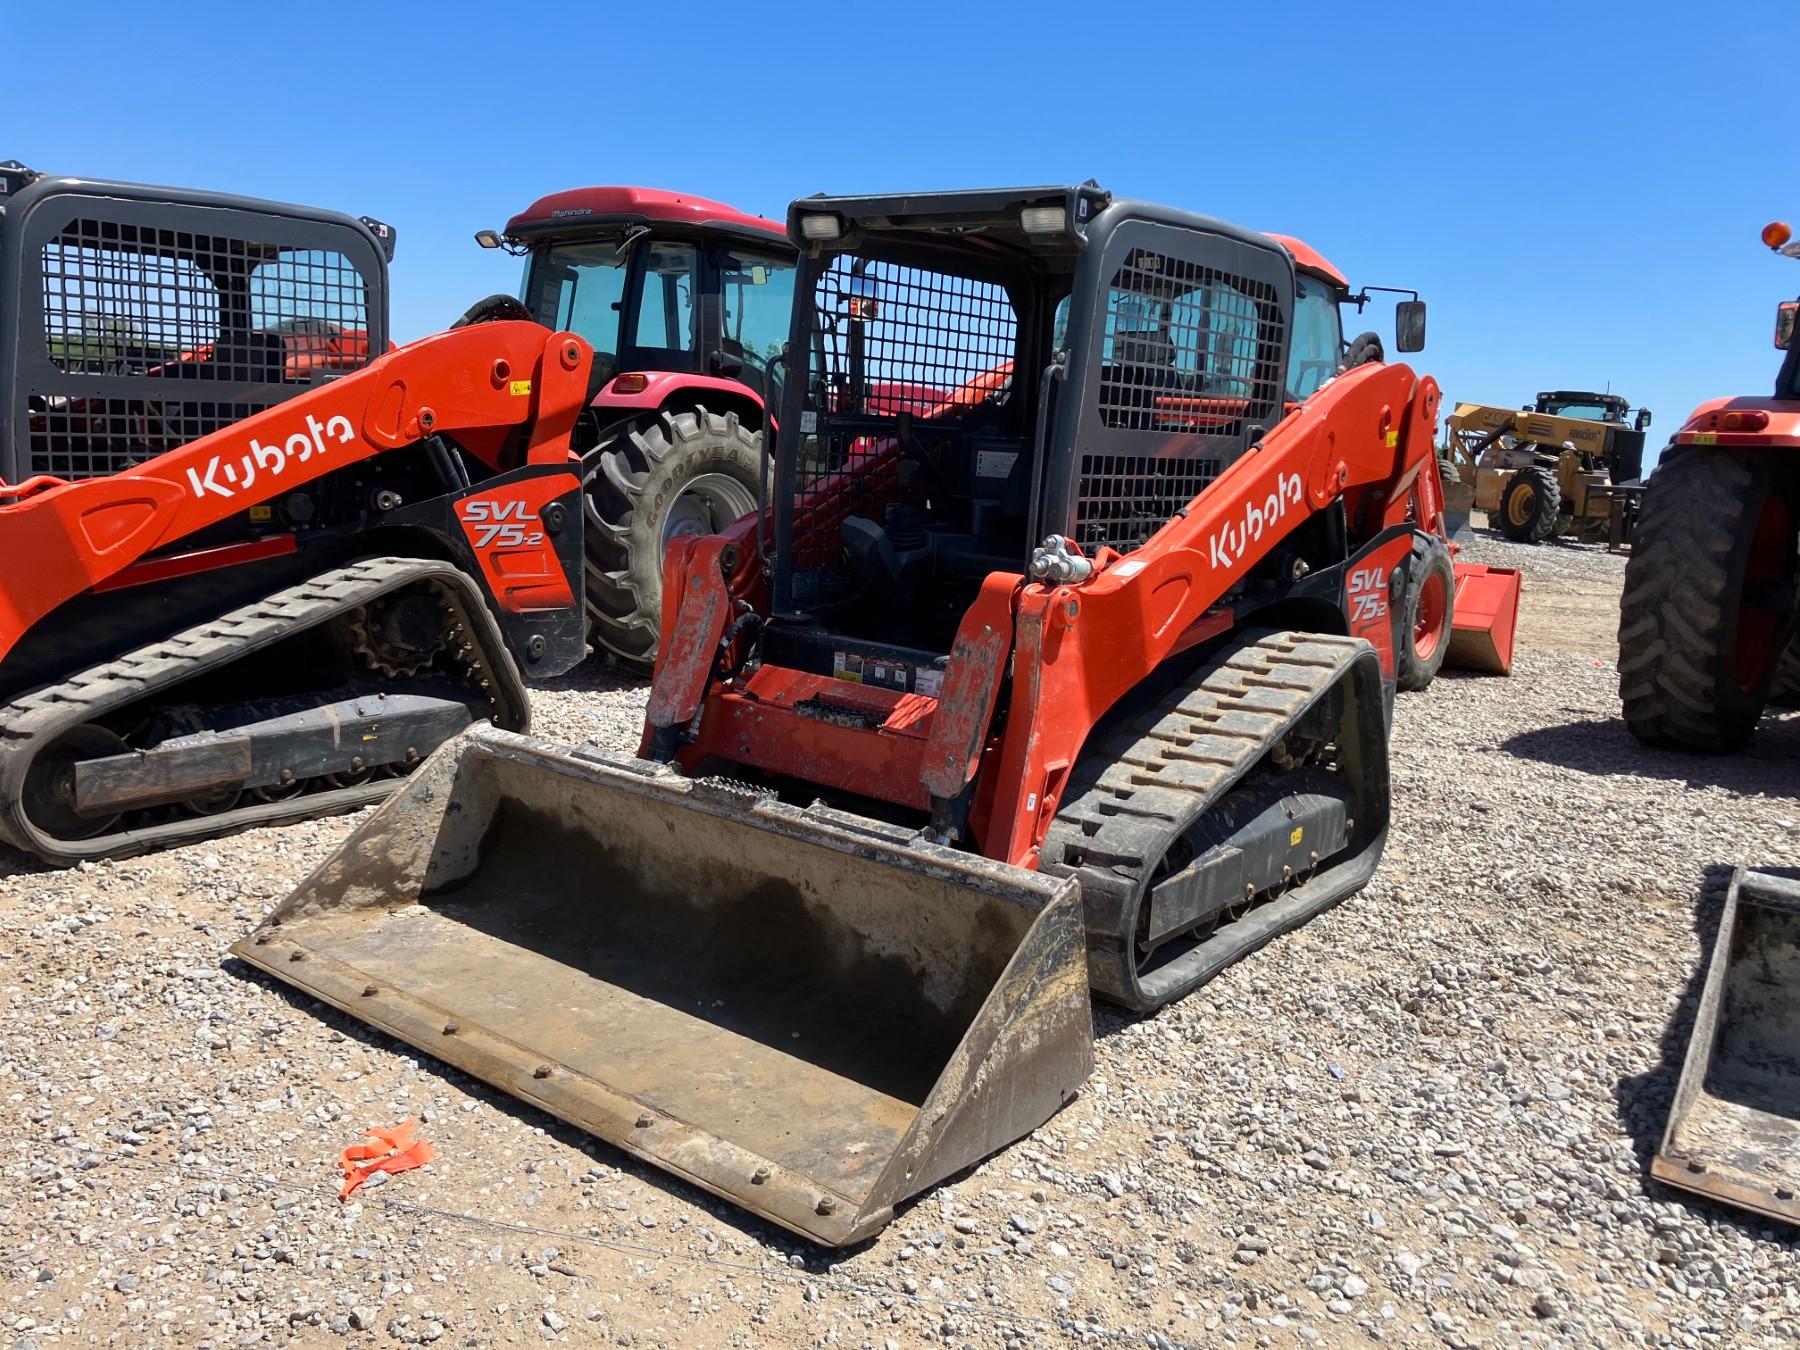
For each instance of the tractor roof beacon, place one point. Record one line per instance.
(685, 301)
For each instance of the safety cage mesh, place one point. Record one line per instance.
(240, 323)
(908, 365)
(1190, 355)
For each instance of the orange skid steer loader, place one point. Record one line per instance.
(1062, 657)
(254, 566)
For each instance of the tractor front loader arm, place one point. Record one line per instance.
(478, 382)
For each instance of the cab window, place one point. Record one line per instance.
(578, 288)
(756, 293)
(666, 316)
(1317, 345)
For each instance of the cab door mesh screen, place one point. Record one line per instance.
(1189, 356)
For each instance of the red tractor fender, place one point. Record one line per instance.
(661, 388)
(1746, 422)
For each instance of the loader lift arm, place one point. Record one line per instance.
(478, 383)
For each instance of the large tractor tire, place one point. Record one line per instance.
(1530, 506)
(1709, 600)
(649, 481)
(1430, 606)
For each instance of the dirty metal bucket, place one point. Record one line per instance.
(1484, 619)
(809, 1014)
(1734, 1130)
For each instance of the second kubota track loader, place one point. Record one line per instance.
(1064, 653)
(251, 568)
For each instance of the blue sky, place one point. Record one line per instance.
(1575, 187)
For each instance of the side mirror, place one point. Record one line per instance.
(1784, 323)
(1409, 326)
(1643, 420)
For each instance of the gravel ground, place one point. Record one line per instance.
(1425, 1117)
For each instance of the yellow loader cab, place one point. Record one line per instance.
(1572, 463)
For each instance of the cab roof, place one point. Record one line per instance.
(1308, 259)
(578, 210)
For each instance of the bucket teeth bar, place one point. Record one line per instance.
(811, 1015)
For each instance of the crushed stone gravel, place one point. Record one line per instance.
(1426, 1117)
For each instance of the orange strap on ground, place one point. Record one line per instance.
(393, 1151)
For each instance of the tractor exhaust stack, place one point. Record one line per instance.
(809, 1014)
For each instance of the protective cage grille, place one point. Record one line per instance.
(241, 324)
(1191, 356)
(1127, 498)
(908, 362)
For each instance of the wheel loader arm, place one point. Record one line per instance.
(482, 380)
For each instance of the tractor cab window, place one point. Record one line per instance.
(1588, 412)
(756, 293)
(666, 317)
(1317, 346)
(579, 288)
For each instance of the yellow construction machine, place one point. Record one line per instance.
(1570, 464)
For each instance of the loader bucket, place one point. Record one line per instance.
(807, 1013)
(1484, 618)
(1459, 501)
(1734, 1130)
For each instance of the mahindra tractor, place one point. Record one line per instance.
(685, 302)
(1707, 614)
(1063, 655)
(255, 564)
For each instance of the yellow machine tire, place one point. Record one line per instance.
(1530, 506)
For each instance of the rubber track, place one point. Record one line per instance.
(1675, 614)
(1139, 789)
(37, 720)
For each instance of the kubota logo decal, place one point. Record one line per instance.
(1230, 542)
(502, 524)
(269, 461)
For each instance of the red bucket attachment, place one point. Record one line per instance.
(1486, 614)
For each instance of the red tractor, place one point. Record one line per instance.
(1707, 614)
(685, 302)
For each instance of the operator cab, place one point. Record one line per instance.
(656, 282)
(969, 377)
(144, 318)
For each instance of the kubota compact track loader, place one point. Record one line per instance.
(252, 569)
(1065, 652)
